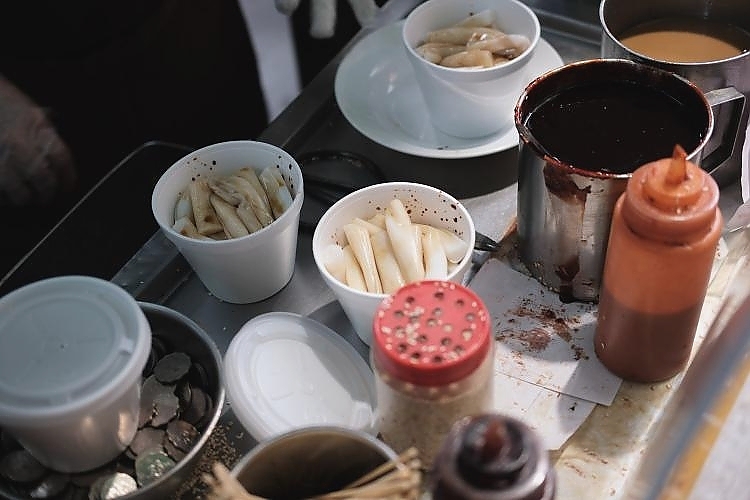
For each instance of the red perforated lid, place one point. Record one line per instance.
(431, 333)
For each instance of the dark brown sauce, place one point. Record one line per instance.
(643, 347)
(615, 126)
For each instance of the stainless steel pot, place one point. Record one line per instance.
(617, 16)
(564, 212)
(310, 461)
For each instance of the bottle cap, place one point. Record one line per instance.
(674, 184)
(492, 455)
(672, 199)
(431, 333)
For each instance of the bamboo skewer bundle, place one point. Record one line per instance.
(396, 479)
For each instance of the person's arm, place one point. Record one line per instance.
(323, 14)
(35, 164)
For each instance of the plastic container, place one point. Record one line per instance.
(665, 228)
(492, 457)
(284, 371)
(72, 350)
(432, 355)
(239, 270)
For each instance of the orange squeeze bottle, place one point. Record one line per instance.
(662, 243)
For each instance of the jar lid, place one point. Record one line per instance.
(284, 371)
(431, 333)
(67, 345)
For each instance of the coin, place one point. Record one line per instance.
(146, 439)
(182, 434)
(165, 409)
(184, 392)
(208, 411)
(174, 452)
(197, 376)
(51, 486)
(197, 408)
(117, 485)
(151, 390)
(172, 367)
(151, 465)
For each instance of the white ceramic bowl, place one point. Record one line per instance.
(240, 270)
(463, 102)
(426, 204)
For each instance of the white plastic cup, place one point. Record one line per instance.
(72, 350)
(240, 270)
(469, 102)
(426, 204)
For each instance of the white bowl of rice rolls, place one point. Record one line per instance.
(232, 209)
(470, 61)
(381, 237)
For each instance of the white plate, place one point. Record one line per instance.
(376, 91)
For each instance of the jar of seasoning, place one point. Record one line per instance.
(492, 457)
(432, 355)
(662, 244)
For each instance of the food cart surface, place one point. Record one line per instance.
(602, 454)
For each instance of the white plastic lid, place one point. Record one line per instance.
(284, 371)
(67, 345)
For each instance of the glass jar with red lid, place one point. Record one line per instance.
(432, 355)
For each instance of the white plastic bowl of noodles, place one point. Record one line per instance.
(245, 268)
(425, 206)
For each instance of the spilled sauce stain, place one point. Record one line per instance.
(535, 340)
(538, 339)
(567, 272)
(559, 183)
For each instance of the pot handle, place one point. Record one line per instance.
(728, 96)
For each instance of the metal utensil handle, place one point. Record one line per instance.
(728, 96)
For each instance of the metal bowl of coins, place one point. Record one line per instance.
(182, 395)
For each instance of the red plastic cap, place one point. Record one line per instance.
(431, 333)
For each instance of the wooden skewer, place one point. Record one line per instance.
(396, 479)
(405, 458)
(397, 482)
